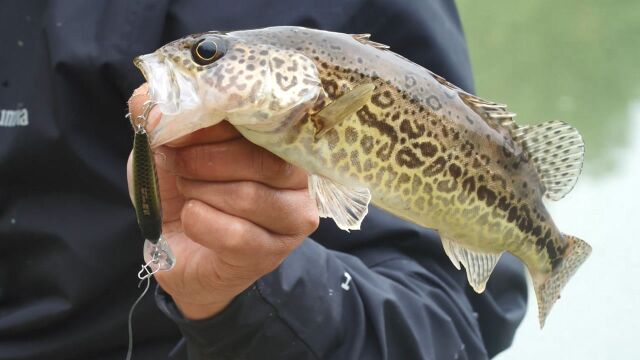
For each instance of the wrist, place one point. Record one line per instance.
(193, 311)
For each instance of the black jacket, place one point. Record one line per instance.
(69, 243)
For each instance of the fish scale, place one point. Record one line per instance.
(369, 124)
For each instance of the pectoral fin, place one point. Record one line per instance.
(478, 265)
(341, 108)
(347, 206)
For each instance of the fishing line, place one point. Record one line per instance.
(142, 276)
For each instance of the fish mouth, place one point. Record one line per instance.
(163, 88)
(175, 94)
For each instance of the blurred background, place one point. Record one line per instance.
(577, 61)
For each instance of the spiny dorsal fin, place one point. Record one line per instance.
(494, 113)
(347, 206)
(341, 108)
(366, 39)
(557, 151)
(479, 266)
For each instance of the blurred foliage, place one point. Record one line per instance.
(578, 61)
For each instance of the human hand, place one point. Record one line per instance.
(232, 212)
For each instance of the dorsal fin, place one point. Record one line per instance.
(556, 148)
(557, 151)
(494, 113)
(366, 39)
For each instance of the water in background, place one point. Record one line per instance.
(578, 61)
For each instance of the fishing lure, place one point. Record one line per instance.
(146, 200)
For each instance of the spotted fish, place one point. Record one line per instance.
(370, 125)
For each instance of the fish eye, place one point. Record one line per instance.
(205, 52)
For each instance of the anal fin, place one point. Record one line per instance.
(347, 206)
(341, 108)
(478, 266)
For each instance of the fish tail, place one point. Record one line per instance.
(548, 291)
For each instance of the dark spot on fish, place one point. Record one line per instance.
(434, 102)
(383, 99)
(525, 224)
(455, 170)
(553, 255)
(486, 194)
(332, 138)
(469, 184)
(447, 186)
(367, 144)
(426, 148)
(407, 158)
(537, 231)
(406, 128)
(403, 179)
(277, 62)
(368, 118)
(338, 156)
(410, 81)
(435, 167)
(330, 87)
(351, 135)
(503, 204)
(513, 214)
(284, 82)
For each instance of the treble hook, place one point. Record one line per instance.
(140, 122)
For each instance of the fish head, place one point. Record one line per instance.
(203, 79)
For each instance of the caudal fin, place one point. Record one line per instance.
(548, 291)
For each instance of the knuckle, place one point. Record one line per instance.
(312, 222)
(189, 159)
(235, 238)
(248, 191)
(190, 214)
(309, 219)
(272, 167)
(245, 198)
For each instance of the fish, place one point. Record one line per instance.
(371, 126)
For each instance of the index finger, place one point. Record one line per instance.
(217, 133)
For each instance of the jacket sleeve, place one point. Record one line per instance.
(392, 295)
